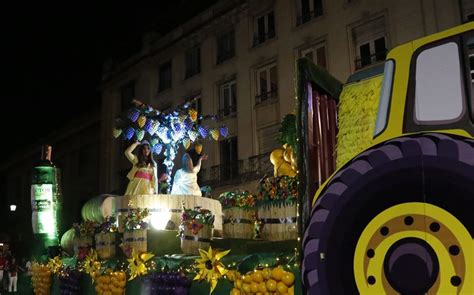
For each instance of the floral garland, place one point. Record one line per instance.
(136, 219)
(84, 229)
(195, 219)
(108, 226)
(283, 189)
(243, 200)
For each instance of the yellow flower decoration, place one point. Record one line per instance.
(91, 265)
(137, 264)
(55, 264)
(210, 267)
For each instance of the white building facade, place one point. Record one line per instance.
(239, 58)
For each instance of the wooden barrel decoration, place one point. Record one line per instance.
(105, 245)
(238, 223)
(279, 222)
(97, 208)
(191, 243)
(82, 243)
(165, 210)
(135, 239)
(67, 241)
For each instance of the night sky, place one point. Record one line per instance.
(52, 58)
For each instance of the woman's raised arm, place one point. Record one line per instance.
(129, 153)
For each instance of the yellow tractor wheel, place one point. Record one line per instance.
(397, 219)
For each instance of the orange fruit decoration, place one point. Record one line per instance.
(262, 287)
(281, 288)
(254, 287)
(288, 278)
(246, 288)
(277, 273)
(247, 278)
(267, 273)
(271, 285)
(235, 292)
(257, 276)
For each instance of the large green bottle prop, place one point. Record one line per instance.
(46, 203)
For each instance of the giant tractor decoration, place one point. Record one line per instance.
(389, 159)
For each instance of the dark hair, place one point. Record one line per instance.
(185, 163)
(143, 160)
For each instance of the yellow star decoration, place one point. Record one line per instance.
(137, 264)
(210, 267)
(55, 264)
(91, 265)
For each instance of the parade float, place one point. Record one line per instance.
(378, 182)
(155, 243)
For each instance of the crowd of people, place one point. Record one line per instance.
(9, 271)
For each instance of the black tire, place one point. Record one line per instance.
(431, 168)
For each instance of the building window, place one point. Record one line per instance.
(307, 10)
(268, 138)
(229, 166)
(264, 28)
(317, 54)
(165, 76)
(193, 61)
(227, 99)
(225, 46)
(267, 85)
(467, 7)
(370, 43)
(127, 94)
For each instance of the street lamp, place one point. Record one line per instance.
(12, 207)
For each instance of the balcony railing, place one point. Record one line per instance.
(227, 111)
(371, 59)
(308, 15)
(261, 38)
(237, 172)
(266, 96)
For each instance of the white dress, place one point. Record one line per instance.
(185, 183)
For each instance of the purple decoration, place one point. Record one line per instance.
(203, 131)
(130, 132)
(224, 131)
(148, 126)
(188, 123)
(157, 148)
(177, 127)
(133, 115)
(70, 283)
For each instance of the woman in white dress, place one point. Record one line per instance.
(185, 179)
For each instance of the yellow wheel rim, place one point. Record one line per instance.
(444, 235)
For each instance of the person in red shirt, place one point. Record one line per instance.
(12, 268)
(3, 262)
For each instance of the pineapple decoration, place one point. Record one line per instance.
(198, 148)
(215, 134)
(166, 132)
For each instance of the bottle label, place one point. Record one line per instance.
(42, 207)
